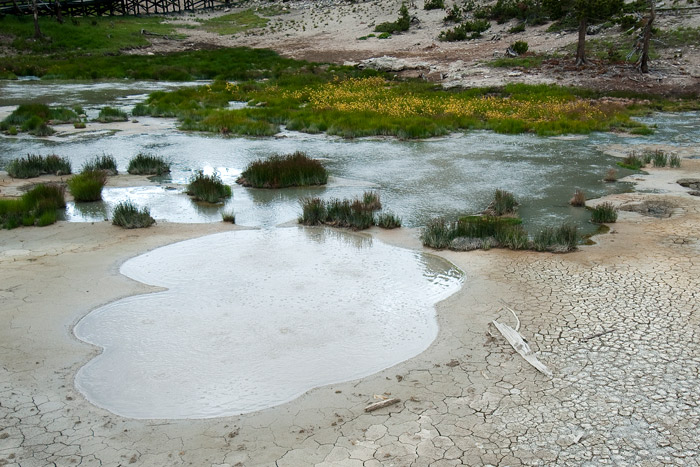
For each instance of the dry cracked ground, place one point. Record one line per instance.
(616, 322)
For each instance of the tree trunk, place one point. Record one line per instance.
(644, 57)
(35, 11)
(581, 48)
(17, 9)
(59, 15)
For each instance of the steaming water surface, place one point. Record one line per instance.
(252, 319)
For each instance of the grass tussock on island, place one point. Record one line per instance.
(208, 188)
(148, 164)
(127, 215)
(296, 169)
(105, 163)
(87, 185)
(355, 214)
(38, 206)
(35, 165)
(36, 118)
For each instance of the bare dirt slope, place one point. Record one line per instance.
(329, 31)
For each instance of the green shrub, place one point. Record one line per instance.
(674, 161)
(517, 29)
(126, 214)
(388, 220)
(295, 169)
(434, 5)
(107, 164)
(34, 166)
(79, 125)
(401, 24)
(208, 188)
(462, 31)
(110, 114)
(454, 15)
(519, 47)
(12, 130)
(87, 186)
(148, 164)
(503, 203)
(604, 213)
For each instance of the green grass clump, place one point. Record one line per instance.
(34, 166)
(659, 158)
(228, 216)
(503, 203)
(295, 169)
(126, 214)
(105, 163)
(36, 207)
(557, 239)
(354, 214)
(388, 220)
(110, 114)
(632, 161)
(148, 164)
(484, 232)
(313, 211)
(674, 161)
(87, 185)
(531, 61)
(208, 188)
(604, 213)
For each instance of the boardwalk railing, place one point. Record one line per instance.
(105, 7)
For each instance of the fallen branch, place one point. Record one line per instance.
(521, 346)
(382, 404)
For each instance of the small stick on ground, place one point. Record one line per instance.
(586, 339)
(382, 404)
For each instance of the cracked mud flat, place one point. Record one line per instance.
(616, 322)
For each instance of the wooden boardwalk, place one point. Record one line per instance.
(106, 7)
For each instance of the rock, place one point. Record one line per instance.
(693, 183)
(387, 63)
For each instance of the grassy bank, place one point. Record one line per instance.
(371, 105)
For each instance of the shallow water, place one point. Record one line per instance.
(418, 180)
(252, 319)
